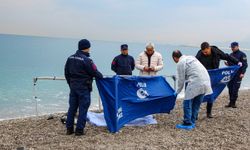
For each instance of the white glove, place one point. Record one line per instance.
(240, 64)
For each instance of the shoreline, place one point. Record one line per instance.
(96, 107)
(229, 129)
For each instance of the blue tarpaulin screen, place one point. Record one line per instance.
(219, 79)
(127, 98)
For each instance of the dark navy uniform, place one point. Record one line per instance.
(79, 73)
(123, 64)
(235, 83)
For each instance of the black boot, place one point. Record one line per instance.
(209, 115)
(70, 131)
(209, 110)
(233, 105)
(229, 105)
(79, 132)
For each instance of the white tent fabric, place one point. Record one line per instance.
(97, 119)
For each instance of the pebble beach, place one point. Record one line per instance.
(229, 129)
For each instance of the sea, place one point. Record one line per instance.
(23, 58)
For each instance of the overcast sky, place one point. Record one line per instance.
(164, 21)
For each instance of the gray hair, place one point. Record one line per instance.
(150, 45)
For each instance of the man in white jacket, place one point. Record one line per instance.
(192, 73)
(149, 62)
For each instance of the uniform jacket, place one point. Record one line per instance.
(123, 64)
(80, 69)
(241, 56)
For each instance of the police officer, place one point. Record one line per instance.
(234, 84)
(123, 64)
(79, 72)
(210, 57)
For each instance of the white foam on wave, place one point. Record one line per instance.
(60, 94)
(244, 88)
(19, 117)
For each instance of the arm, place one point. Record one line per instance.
(138, 63)
(244, 64)
(180, 76)
(132, 64)
(92, 69)
(66, 73)
(225, 56)
(160, 64)
(114, 64)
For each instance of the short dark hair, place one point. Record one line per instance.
(204, 45)
(176, 54)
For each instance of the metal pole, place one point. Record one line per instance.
(34, 94)
(99, 103)
(62, 78)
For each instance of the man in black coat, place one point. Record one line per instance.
(123, 64)
(210, 57)
(234, 84)
(79, 72)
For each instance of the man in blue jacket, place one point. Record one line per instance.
(79, 72)
(234, 84)
(123, 64)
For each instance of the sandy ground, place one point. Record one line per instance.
(229, 129)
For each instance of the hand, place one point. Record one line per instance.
(152, 68)
(241, 76)
(240, 64)
(146, 69)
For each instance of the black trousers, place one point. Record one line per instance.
(209, 107)
(233, 88)
(78, 99)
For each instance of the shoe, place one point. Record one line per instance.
(229, 105)
(209, 115)
(197, 117)
(185, 126)
(233, 106)
(79, 132)
(70, 131)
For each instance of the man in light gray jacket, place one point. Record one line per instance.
(194, 75)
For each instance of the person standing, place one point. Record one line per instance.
(210, 57)
(150, 61)
(192, 73)
(79, 72)
(123, 64)
(234, 84)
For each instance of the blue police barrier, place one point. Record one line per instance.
(219, 79)
(127, 98)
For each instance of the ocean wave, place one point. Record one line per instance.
(244, 88)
